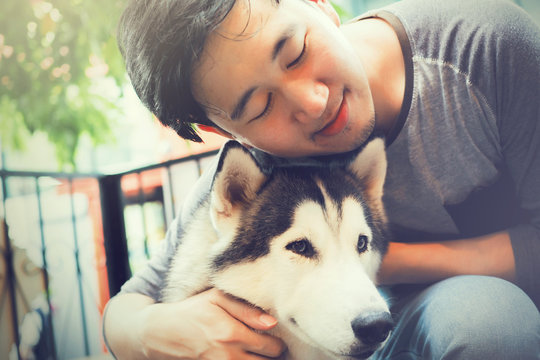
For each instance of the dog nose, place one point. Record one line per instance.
(372, 328)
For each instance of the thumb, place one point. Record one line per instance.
(244, 312)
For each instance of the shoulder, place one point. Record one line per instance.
(479, 12)
(494, 44)
(436, 27)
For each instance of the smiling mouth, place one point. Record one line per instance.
(339, 122)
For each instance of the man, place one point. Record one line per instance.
(453, 87)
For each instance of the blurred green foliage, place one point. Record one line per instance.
(344, 14)
(56, 59)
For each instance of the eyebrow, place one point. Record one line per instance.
(286, 35)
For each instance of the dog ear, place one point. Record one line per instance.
(237, 180)
(369, 166)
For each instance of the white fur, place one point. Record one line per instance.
(323, 295)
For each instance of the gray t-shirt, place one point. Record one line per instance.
(464, 156)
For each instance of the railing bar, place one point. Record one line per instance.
(25, 173)
(78, 267)
(45, 268)
(199, 167)
(3, 297)
(164, 210)
(10, 273)
(114, 232)
(169, 163)
(52, 174)
(171, 191)
(141, 205)
(2, 157)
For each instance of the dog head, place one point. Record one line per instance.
(305, 244)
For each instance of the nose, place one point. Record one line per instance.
(308, 98)
(372, 328)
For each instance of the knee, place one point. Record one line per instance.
(475, 317)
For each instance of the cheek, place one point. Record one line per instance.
(329, 47)
(274, 135)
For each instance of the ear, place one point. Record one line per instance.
(237, 180)
(328, 9)
(370, 168)
(215, 130)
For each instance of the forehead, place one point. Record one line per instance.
(245, 19)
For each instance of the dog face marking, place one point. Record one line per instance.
(263, 218)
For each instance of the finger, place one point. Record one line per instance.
(264, 344)
(249, 356)
(237, 334)
(244, 355)
(237, 351)
(248, 314)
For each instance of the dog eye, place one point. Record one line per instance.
(362, 243)
(301, 247)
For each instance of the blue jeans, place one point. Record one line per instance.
(464, 317)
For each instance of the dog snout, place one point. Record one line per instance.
(372, 328)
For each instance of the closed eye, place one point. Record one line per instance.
(300, 57)
(291, 65)
(267, 108)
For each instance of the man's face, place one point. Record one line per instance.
(284, 79)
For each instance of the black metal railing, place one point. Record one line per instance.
(94, 218)
(113, 200)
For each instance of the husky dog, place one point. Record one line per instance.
(303, 243)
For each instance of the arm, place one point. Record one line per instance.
(429, 262)
(510, 88)
(210, 325)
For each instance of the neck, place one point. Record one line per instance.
(380, 53)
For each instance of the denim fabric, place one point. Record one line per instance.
(464, 317)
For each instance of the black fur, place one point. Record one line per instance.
(267, 217)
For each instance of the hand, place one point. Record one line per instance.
(210, 325)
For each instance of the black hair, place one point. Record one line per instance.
(161, 42)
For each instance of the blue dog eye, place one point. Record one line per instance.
(362, 243)
(301, 247)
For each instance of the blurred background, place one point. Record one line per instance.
(89, 179)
